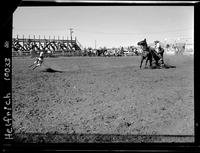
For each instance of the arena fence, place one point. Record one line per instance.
(27, 46)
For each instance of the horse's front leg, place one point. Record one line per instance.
(150, 61)
(142, 58)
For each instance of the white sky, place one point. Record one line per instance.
(110, 26)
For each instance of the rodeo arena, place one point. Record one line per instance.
(65, 92)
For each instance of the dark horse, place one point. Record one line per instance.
(149, 54)
(155, 59)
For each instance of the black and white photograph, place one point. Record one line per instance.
(103, 74)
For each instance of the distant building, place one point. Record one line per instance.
(189, 49)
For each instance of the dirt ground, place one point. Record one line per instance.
(103, 95)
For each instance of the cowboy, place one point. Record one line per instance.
(159, 51)
(38, 61)
(41, 57)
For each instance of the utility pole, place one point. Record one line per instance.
(95, 44)
(71, 31)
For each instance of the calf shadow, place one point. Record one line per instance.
(167, 66)
(50, 70)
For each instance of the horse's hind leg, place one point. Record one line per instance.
(162, 60)
(150, 62)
